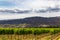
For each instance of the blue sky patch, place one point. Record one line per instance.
(6, 4)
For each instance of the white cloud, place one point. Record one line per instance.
(34, 3)
(37, 3)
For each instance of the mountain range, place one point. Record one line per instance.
(34, 21)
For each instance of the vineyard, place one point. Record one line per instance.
(29, 33)
(22, 31)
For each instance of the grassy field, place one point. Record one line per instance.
(29, 33)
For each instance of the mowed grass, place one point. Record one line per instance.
(29, 33)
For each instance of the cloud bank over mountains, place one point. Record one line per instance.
(20, 11)
(8, 14)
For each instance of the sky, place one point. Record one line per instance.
(34, 4)
(28, 4)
